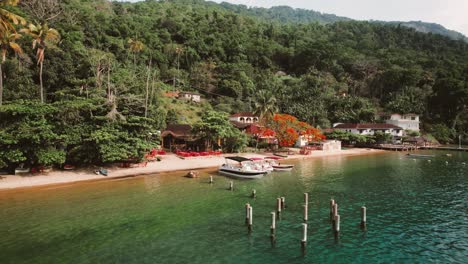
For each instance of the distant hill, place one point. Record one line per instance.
(286, 14)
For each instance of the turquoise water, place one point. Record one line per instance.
(416, 213)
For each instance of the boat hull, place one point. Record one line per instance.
(283, 167)
(240, 174)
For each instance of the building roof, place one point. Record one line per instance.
(367, 126)
(171, 94)
(178, 131)
(244, 114)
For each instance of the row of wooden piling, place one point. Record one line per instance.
(281, 205)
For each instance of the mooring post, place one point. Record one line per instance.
(254, 193)
(250, 218)
(335, 213)
(306, 212)
(283, 203)
(337, 225)
(332, 204)
(304, 235)
(273, 223)
(363, 217)
(247, 205)
(306, 198)
(231, 185)
(211, 179)
(278, 207)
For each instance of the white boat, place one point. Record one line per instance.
(262, 164)
(278, 166)
(244, 168)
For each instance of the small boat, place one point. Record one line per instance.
(278, 166)
(244, 169)
(21, 170)
(68, 167)
(103, 172)
(423, 156)
(261, 164)
(192, 174)
(280, 155)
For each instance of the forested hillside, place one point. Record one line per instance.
(104, 77)
(286, 14)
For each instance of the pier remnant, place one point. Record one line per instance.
(254, 193)
(283, 203)
(363, 217)
(304, 236)
(247, 205)
(211, 179)
(231, 186)
(306, 198)
(332, 204)
(273, 223)
(337, 225)
(278, 207)
(306, 212)
(250, 218)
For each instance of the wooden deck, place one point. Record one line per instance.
(446, 148)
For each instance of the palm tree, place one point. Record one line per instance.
(7, 41)
(42, 37)
(7, 18)
(265, 105)
(136, 46)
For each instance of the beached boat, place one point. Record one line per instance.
(21, 171)
(243, 169)
(261, 164)
(101, 171)
(278, 166)
(422, 156)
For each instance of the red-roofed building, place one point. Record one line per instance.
(370, 128)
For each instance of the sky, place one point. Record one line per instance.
(452, 14)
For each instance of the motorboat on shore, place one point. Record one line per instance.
(244, 168)
(277, 166)
(262, 164)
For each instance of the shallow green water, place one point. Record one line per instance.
(417, 213)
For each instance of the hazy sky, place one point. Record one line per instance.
(452, 14)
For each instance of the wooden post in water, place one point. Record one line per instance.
(304, 236)
(363, 217)
(250, 219)
(254, 193)
(306, 212)
(278, 207)
(211, 179)
(273, 223)
(335, 213)
(283, 203)
(306, 198)
(247, 205)
(337, 225)
(231, 186)
(332, 205)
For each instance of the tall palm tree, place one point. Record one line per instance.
(7, 18)
(42, 37)
(265, 105)
(136, 46)
(7, 41)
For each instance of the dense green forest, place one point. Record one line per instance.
(87, 84)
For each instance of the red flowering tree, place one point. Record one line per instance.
(288, 129)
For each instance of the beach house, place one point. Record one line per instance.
(244, 118)
(180, 137)
(370, 128)
(405, 121)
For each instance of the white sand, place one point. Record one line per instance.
(169, 163)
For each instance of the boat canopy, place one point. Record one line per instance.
(238, 159)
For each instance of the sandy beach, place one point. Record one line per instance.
(168, 163)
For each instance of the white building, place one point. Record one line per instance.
(244, 117)
(371, 128)
(406, 121)
(190, 96)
